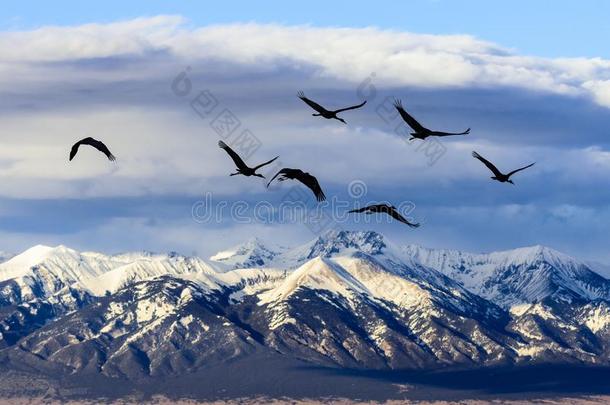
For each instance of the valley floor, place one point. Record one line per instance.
(281, 381)
(586, 400)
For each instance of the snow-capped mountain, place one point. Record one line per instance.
(600, 268)
(351, 299)
(252, 253)
(517, 276)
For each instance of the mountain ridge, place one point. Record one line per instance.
(344, 299)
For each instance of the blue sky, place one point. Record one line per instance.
(531, 91)
(543, 28)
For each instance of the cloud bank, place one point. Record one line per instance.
(347, 54)
(114, 82)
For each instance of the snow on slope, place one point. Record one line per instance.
(337, 242)
(252, 253)
(600, 268)
(351, 265)
(351, 291)
(379, 275)
(43, 270)
(317, 274)
(146, 268)
(516, 276)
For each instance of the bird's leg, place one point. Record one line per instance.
(234, 174)
(316, 115)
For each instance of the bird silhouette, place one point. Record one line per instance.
(421, 132)
(304, 177)
(498, 175)
(385, 209)
(91, 142)
(242, 168)
(323, 112)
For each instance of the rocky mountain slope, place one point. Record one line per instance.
(345, 299)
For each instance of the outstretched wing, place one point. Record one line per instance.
(358, 210)
(351, 108)
(487, 163)
(102, 148)
(312, 104)
(312, 183)
(518, 170)
(439, 133)
(412, 122)
(305, 178)
(281, 172)
(236, 159)
(394, 214)
(92, 142)
(74, 149)
(264, 164)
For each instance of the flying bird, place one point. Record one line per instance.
(385, 209)
(328, 114)
(501, 177)
(91, 142)
(242, 168)
(421, 132)
(304, 177)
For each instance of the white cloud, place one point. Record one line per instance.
(53, 44)
(112, 82)
(349, 54)
(600, 89)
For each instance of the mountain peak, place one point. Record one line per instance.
(537, 254)
(515, 276)
(252, 253)
(333, 242)
(319, 274)
(37, 254)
